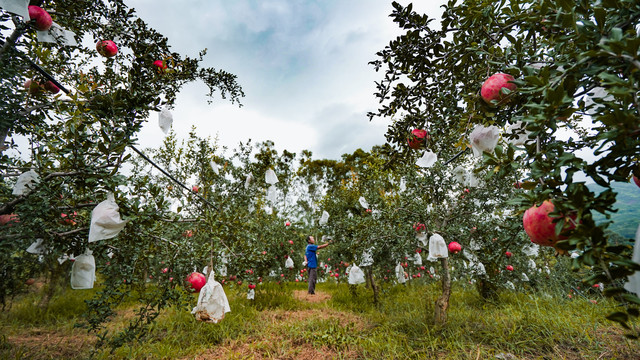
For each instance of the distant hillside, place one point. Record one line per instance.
(627, 218)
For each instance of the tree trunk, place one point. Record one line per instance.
(50, 287)
(373, 284)
(443, 302)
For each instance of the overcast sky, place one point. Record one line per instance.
(303, 66)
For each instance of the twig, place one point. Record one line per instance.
(67, 233)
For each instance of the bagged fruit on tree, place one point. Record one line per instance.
(248, 181)
(270, 177)
(324, 218)
(18, 7)
(422, 239)
(271, 193)
(105, 220)
(251, 294)
(58, 35)
(214, 167)
(363, 202)
(367, 257)
(212, 302)
(437, 247)
(484, 139)
(417, 259)
(37, 248)
(400, 274)
(25, 182)
(83, 271)
(427, 160)
(165, 120)
(356, 276)
(289, 263)
(517, 133)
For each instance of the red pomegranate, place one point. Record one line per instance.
(197, 281)
(454, 247)
(417, 138)
(492, 87)
(540, 226)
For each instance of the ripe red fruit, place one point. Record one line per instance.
(164, 271)
(509, 268)
(454, 247)
(51, 87)
(30, 281)
(197, 281)
(42, 19)
(252, 286)
(291, 242)
(239, 282)
(107, 48)
(9, 219)
(68, 219)
(417, 138)
(195, 188)
(492, 87)
(540, 226)
(508, 254)
(287, 224)
(160, 65)
(33, 87)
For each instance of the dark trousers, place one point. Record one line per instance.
(313, 276)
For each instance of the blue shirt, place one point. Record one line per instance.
(312, 259)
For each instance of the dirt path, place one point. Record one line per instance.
(318, 297)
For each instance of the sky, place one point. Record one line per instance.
(303, 66)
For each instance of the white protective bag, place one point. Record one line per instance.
(356, 276)
(437, 247)
(324, 218)
(271, 193)
(633, 285)
(37, 248)
(251, 294)
(417, 259)
(165, 120)
(519, 130)
(248, 181)
(57, 35)
(367, 257)
(83, 271)
(270, 177)
(212, 302)
(400, 274)
(289, 263)
(25, 182)
(105, 220)
(18, 7)
(484, 139)
(422, 239)
(214, 167)
(427, 160)
(363, 202)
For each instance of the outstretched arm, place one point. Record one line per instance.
(323, 246)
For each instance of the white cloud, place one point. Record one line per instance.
(303, 67)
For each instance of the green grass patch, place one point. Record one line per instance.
(349, 325)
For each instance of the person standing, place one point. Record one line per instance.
(312, 262)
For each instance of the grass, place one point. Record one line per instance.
(346, 326)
